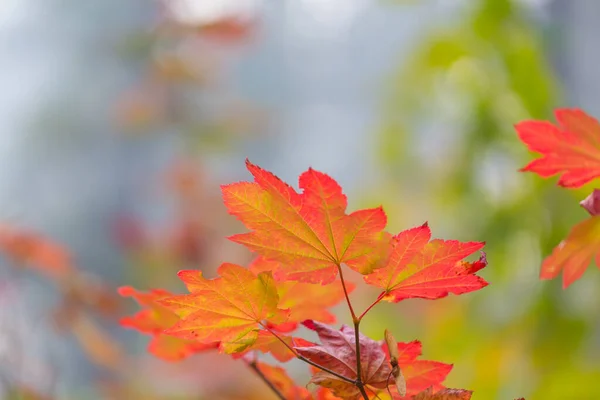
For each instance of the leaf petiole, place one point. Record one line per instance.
(356, 321)
(306, 360)
(266, 380)
(379, 298)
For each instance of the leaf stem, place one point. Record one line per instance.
(346, 293)
(381, 296)
(306, 360)
(356, 321)
(359, 383)
(266, 380)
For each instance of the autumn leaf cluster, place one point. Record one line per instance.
(303, 242)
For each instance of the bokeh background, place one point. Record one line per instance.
(119, 120)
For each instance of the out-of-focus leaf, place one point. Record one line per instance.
(572, 148)
(573, 255)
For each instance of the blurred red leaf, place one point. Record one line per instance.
(575, 253)
(571, 148)
(229, 30)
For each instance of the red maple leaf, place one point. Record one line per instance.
(427, 269)
(337, 352)
(228, 309)
(571, 148)
(310, 233)
(419, 374)
(154, 320)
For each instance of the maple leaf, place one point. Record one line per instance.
(310, 234)
(574, 254)
(281, 380)
(304, 300)
(445, 394)
(337, 352)
(154, 320)
(427, 269)
(418, 374)
(268, 343)
(571, 148)
(228, 309)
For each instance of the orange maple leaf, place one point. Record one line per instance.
(154, 320)
(571, 148)
(574, 254)
(304, 300)
(427, 269)
(228, 309)
(309, 233)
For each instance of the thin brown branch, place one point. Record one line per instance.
(266, 380)
(359, 382)
(306, 360)
(356, 321)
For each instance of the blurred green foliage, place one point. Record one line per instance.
(449, 155)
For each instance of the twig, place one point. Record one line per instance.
(356, 321)
(306, 360)
(346, 293)
(359, 382)
(266, 380)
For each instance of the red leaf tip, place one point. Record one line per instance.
(183, 272)
(310, 324)
(125, 291)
